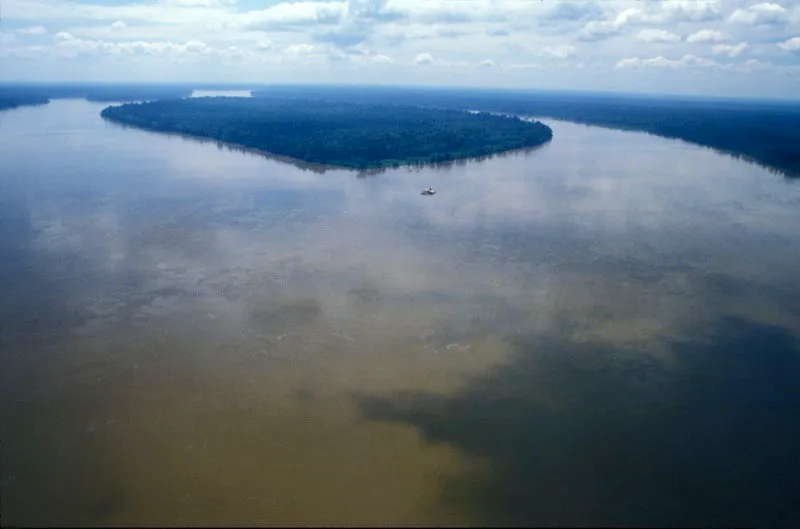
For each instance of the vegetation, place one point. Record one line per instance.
(767, 132)
(15, 98)
(13, 95)
(342, 134)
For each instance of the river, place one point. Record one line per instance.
(600, 331)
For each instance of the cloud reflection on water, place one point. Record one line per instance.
(180, 278)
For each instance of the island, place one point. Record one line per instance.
(350, 135)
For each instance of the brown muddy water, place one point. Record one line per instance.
(601, 331)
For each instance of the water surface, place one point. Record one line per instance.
(600, 331)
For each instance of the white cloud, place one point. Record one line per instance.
(289, 14)
(729, 49)
(423, 59)
(657, 35)
(792, 44)
(119, 24)
(69, 46)
(763, 14)
(561, 51)
(594, 31)
(602, 29)
(631, 16)
(32, 30)
(381, 59)
(296, 50)
(524, 66)
(708, 35)
(692, 10)
(486, 63)
(687, 61)
(571, 11)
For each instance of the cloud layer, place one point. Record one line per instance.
(608, 45)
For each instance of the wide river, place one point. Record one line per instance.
(604, 330)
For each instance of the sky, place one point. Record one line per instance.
(704, 47)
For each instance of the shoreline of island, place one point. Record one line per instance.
(321, 168)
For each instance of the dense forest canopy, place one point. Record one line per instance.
(13, 94)
(13, 98)
(767, 132)
(350, 135)
(9, 102)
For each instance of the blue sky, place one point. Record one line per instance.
(712, 47)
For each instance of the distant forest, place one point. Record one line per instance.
(15, 95)
(9, 101)
(764, 131)
(358, 136)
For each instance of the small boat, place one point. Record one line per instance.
(428, 191)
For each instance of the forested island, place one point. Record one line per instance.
(767, 132)
(357, 136)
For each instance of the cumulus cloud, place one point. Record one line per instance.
(570, 11)
(296, 50)
(289, 15)
(708, 35)
(69, 46)
(358, 21)
(603, 29)
(595, 31)
(691, 10)
(657, 35)
(729, 49)
(687, 61)
(763, 14)
(381, 59)
(561, 51)
(631, 16)
(32, 30)
(486, 63)
(792, 45)
(423, 59)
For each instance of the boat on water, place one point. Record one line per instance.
(428, 191)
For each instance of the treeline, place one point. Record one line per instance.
(13, 94)
(13, 97)
(766, 132)
(343, 134)
(8, 102)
